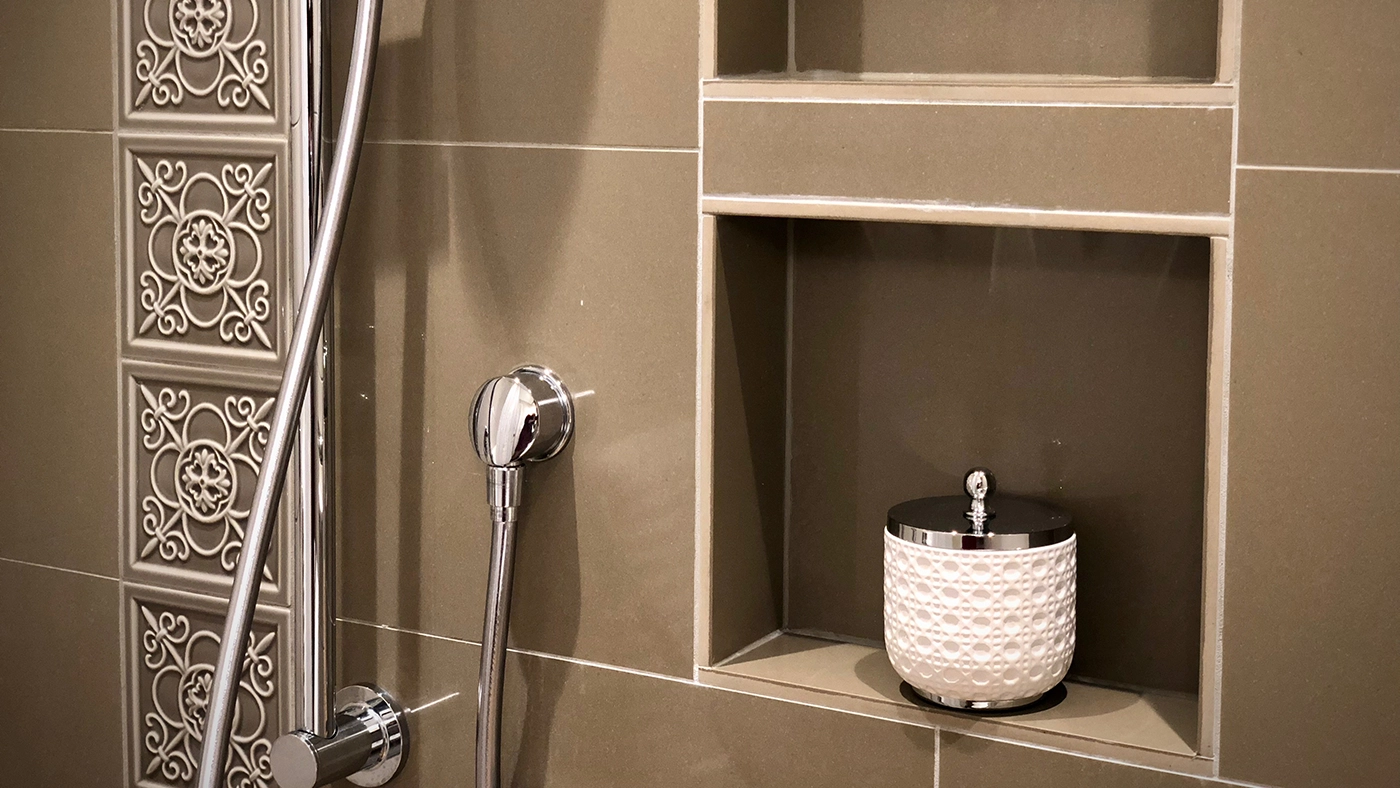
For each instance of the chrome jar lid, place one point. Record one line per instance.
(978, 521)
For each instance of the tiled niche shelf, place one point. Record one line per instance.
(1006, 113)
(852, 365)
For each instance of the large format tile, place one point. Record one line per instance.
(566, 724)
(58, 348)
(460, 264)
(1311, 693)
(56, 58)
(971, 762)
(1088, 158)
(60, 673)
(607, 72)
(1319, 83)
(1128, 38)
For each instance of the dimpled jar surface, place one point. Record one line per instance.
(980, 625)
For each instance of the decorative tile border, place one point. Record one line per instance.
(205, 248)
(193, 442)
(211, 63)
(173, 644)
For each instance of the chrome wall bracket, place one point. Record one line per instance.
(368, 748)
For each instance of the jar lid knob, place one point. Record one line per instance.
(980, 484)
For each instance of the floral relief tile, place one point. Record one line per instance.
(194, 442)
(203, 61)
(174, 645)
(205, 251)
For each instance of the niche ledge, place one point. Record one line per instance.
(1151, 728)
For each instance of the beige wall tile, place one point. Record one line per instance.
(970, 762)
(1071, 364)
(1129, 38)
(607, 72)
(56, 62)
(1319, 83)
(750, 446)
(751, 36)
(572, 725)
(1311, 693)
(58, 344)
(462, 263)
(1080, 158)
(61, 657)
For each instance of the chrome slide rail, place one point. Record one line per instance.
(367, 739)
(526, 416)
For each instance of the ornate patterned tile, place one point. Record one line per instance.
(205, 248)
(194, 442)
(174, 640)
(205, 62)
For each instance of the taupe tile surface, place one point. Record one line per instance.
(751, 36)
(460, 264)
(750, 449)
(1130, 38)
(1319, 83)
(614, 72)
(971, 762)
(1312, 612)
(56, 58)
(1071, 364)
(566, 724)
(61, 657)
(1080, 158)
(58, 414)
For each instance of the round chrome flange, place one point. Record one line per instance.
(382, 713)
(976, 705)
(534, 375)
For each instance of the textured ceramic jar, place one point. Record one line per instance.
(979, 616)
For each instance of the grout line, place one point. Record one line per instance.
(791, 38)
(1304, 168)
(405, 631)
(522, 651)
(60, 569)
(534, 146)
(13, 130)
(749, 649)
(964, 102)
(786, 618)
(937, 757)
(588, 663)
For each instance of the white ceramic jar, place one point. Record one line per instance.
(979, 596)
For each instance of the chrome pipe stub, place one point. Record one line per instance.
(369, 747)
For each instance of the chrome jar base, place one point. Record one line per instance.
(976, 705)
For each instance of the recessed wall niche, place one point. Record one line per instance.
(860, 364)
(1172, 40)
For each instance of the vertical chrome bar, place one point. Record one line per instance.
(315, 557)
(296, 376)
(506, 481)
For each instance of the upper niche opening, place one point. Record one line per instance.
(1168, 40)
